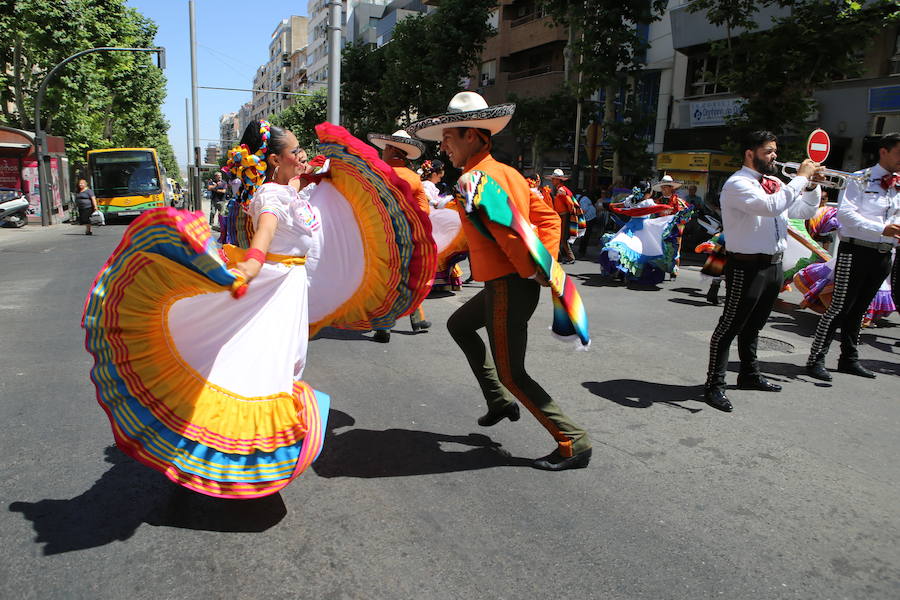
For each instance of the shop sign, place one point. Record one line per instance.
(724, 162)
(884, 99)
(711, 113)
(9, 173)
(684, 161)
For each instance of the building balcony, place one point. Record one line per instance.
(535, 71)
(529, 34)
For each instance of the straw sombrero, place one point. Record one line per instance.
(666, 180)
(558, 174)
(466, 109)
(398, 139)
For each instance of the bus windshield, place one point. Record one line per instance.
(124, 173)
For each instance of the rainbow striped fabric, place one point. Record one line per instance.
(406, 264)
(164, 413)
(483, 198)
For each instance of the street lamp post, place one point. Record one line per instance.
(40, 138)
(334, 61)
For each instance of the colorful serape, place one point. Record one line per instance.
(483, 198)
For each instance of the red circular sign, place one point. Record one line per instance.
(818, 145)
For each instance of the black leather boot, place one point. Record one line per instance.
(716, 398)
(852, 367)
(712, 296)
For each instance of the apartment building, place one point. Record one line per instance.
(229, 131)
(317, 36)
(287, 54)
(212, 154)
(855, 111)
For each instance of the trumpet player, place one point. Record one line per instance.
(869, 217)
(755, 212)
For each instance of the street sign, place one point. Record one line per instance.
(818, 146)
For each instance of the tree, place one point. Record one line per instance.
(777, 70)
(606, 49)
(543, 123)
(393, 85)
(302, 117)
(97, 101)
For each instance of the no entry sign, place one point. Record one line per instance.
(818, 145)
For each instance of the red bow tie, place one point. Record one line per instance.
(770, 185)
(890, 180)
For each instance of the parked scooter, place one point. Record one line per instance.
(14, 208)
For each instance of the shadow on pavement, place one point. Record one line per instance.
(633, 393)
(130, 494)
(690, 302)
(368, 453)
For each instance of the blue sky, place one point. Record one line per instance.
(232, 41)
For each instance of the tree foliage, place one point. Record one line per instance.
(607, 43)
(99, 100)
(388, 87)
(302, 117)
(777, 70)
(543, 123)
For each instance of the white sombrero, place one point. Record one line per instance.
(399, 139)
(466, 109)
(666, 180)
(558, 174)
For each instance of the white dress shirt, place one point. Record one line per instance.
(865, 209)
(755, 222)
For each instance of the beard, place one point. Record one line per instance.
(763, 166)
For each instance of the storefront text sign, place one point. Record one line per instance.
(713, 112)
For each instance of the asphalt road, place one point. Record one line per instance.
(793, 495)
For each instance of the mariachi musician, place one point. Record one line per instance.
(869, 217)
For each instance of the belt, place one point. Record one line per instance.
(767, 259)
(883, 247)
(233, 254)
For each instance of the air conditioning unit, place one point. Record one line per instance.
(882, 124)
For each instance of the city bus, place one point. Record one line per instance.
(128, 181)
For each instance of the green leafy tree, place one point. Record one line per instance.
(302, 117)
(543, 123)
(777, 70)
(606, 49)
(392, 85)
(97, 101)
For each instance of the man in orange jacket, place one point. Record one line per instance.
(563, 201)
(396, 150)
(512, 282)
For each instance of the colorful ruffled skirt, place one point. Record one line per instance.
(645, 249)
(452, 248)
(206, 388)
(196, 384)
(816, 283)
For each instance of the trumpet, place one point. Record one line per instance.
(832, 177)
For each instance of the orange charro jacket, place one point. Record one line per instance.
(506, 253)
(563, 199)
(415, 183)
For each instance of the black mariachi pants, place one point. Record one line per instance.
(895, 279)
(752, 287)
(858, 274)
(504, 307)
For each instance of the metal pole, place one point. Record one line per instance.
(195, 181)
(334, 62)
(187, 158)
(40, 137)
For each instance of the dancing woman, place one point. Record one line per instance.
(206, 388)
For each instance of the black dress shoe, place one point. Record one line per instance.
(712, 296)
(758, 383)
(557, 462)
(511, 412)
(853, 367)
(383, 336)
(717, 399)
(817, 370)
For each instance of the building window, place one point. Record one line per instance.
(894, 61)
(488, 73)
(703, 77)
(494, 19)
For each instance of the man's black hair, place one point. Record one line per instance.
(756, 139)
(889, 140)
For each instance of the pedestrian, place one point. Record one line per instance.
(216, 188)
(755, 212)
(86, 202)
(396, 149)
(512, 282)
(564, 205)
(590, 220)
(869, 219)
(692, 197)
(664, 194)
